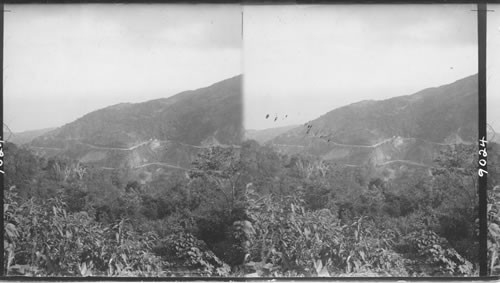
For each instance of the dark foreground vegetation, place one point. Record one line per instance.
(245, 211)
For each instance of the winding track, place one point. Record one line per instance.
(409, 162)
(113, 148)
(370, 146)
(236, 146)
(138, 145)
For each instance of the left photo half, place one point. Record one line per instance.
(123, 127)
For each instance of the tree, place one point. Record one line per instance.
(455, 182)
(221, 169)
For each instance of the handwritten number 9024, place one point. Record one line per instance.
(483, 153)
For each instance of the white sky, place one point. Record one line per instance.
(303, 61)
(63, 61)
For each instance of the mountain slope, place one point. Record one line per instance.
(163, 130)
(189, 116)
(28, 136)
(412, 127)
(265, 135)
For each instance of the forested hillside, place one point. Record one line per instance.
(162, 133)
(27, 136)
(168, 188)
(247, 211)
(413, 124)
(190, 117)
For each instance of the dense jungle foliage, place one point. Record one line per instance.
(245, 211)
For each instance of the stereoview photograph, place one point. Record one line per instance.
(120, 118)
(242, 141)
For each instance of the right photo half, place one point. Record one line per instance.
(361, 124)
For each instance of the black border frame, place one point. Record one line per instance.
(1, 134)
(482, 126)
(482, 184)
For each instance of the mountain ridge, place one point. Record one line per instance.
(167, 130)
(437, 116)
(264, 135)
(25, 137)
(110, 126)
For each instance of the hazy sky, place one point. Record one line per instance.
(303, 61)
(63, 61)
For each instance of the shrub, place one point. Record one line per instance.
(184, 250)
(288, 238)
(44, 239)
(432, 255)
